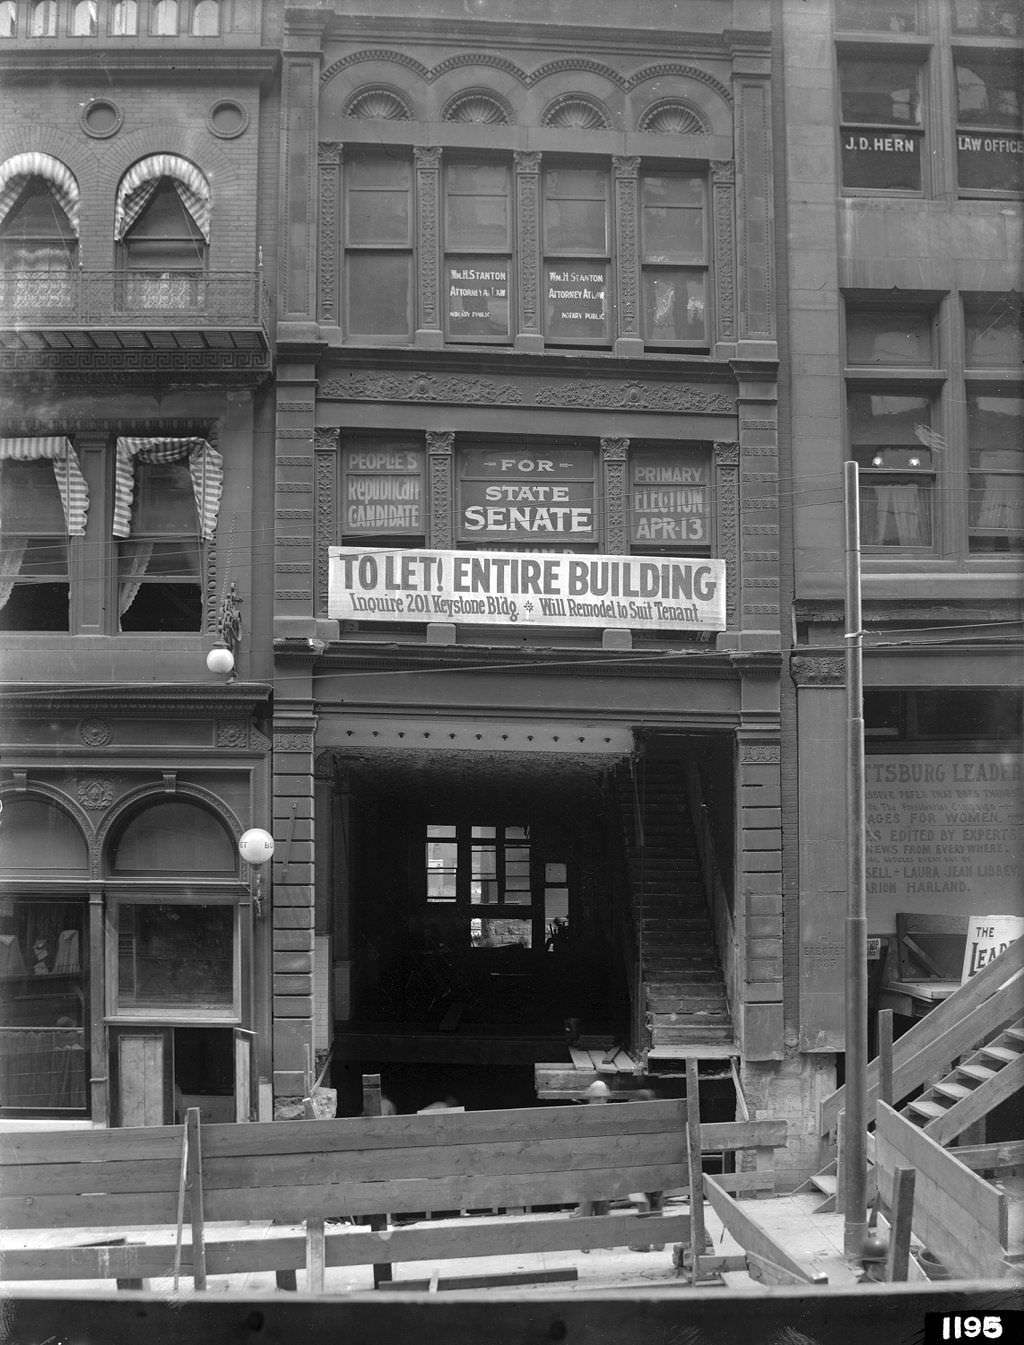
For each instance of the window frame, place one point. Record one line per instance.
(986, 55)
(485, 259)
(364, 249)
(908, 52)
(697, 262)
(44, 468)
(558, 256)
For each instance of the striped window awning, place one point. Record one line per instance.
(74, 493)
(205, 465)
(15, 172)
(142, 180)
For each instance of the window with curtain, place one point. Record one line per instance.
(164, 254)
(124, 18)
(84, 19)
(893, 440)
(478, 251)
(577, 255)
(38, 247)
(995, 443)
(8, 19)
(35, 584)
(674, 268)
(159, 565)
(378, 280)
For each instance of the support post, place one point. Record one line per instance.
(898, 1260)
(856, 998)
(372, 1106)
(693, 1157)
(195, 1198)
(885, 1081)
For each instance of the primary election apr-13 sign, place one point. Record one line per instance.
(500, 588)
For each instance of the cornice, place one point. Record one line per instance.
(31, 699)
(179, 63)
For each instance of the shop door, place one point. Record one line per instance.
(157, 1073)
(245, 1077)
(142, 1071)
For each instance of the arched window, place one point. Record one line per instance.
(165, 18)
(162, 223)
(43, 21)
(39, 836)
(124, 18)
(83, 19)
(8, 19)
(174, 837)
(206, 18)
(38, 232)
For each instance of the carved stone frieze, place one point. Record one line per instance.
(441, 487)
(325, 497)
(614, 449)
(760, 754)
(818, 669)
(232, 733)
(95, 794)
(301, 741)
(329, 169)
(94, 732)
(528, 231)
(727, 453)
(623, 395)
(394, 387)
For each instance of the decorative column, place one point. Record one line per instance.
(723, 216)
(293, 902)
(429, 331)
(441, 488)
(325, 511)
(759, 884)
(329, 247)
(529, 334)
(727, 523)
(626, 169)
(754, 213)
(614, 489)
(299, 96)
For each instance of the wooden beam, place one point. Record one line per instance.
(437, 1284)
(315, 1256)
(1008, 1154)
(693, 1159)
(770, 1272)
(195, 1197)
(898, 1260)
(752, 1237)
(1003, 1084)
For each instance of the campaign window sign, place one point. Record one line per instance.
(576, 301)
(382, 488)
(478, 299)
(537, 496)
(669, 498)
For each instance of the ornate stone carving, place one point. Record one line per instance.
(527, 167)
(325, 495)
(95, 793)
(723, 171)
(478, 109)
(329, 166)
(211, 603)
(576, 112)
(441, 486)
(378, 104)
(618, 394)
(615, 494)
(818, 669)
(293, 594)
(428, 182)
(614, 449)
(727, 517)
(232, 733)
(94, 732)
(325, 441)
(723, 202)
(304, 407)
(676, 70)
(293, 741)
(727, 453)
(354, 385)
(295, 460)
(760, 754)
(626, 169)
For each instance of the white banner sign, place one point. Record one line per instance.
(496, 588)
(987, 937)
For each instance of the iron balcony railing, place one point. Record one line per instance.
(136, 299)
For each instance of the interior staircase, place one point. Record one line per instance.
(686, 1010)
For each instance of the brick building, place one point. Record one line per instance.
(134, 413)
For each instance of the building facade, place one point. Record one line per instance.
(135, 362)
(527, 731)
(903, 347)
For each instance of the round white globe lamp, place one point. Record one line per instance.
(256, 846)
(220, 659)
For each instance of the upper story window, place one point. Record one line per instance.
(378, 273)
(162, 226)
(674, 259)
(478, 251)
(34, 579)
(38, 236)
(84, 19)
(205, 18)
(8, 19)
(124, 18)
(988, 18)
(43, 19)
(868, 16)
(881, 133)
(164, 18)
(515, 275)
(577, 256)
(989, 129)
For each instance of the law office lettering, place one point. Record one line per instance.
(994, 144)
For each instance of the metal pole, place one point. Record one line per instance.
(855, 1155)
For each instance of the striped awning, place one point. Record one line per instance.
(205, 465)
(142, 180)
(74, 493)
(15, 172)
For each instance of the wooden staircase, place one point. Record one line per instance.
(685, 1005)
(973, 1087)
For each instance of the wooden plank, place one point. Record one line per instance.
(496, 1280)
(1008, 1154)
(947, 1016)
(751, 1236)
(885, 1080)
(898, 1260)
(314, 1256)
(195, 1196)
(764, 1271)
(693, 1162)
(957, 1215)
(978, 1103)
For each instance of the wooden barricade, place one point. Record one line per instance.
(307, 1171)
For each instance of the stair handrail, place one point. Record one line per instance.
(971, 1008)
(715, 894)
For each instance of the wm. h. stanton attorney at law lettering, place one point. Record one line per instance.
(497, 588)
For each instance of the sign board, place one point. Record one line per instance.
(987, 937)
(668, 497)
(944, 829)
(528, 495)
(576, 304)
(382, 490)
(478, 298)
(499, 588)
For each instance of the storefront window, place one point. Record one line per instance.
(670, 499)
(541, 496)
(175, 958)
(881, 124)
